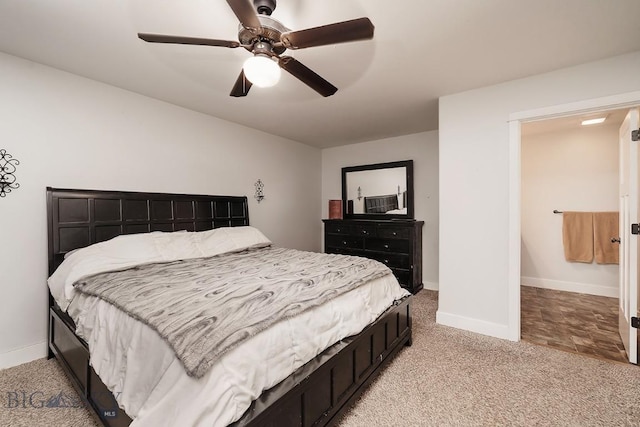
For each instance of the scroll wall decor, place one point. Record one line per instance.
(7, 169)
(259, 196)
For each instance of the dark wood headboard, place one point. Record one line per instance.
(79, 218)
(380, 204)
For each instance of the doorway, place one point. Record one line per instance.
(570, 166)
(627, 100)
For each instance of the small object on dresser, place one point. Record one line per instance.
(335, 209)
(350, 207)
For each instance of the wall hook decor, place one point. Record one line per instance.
(259, 196)
(7, 169)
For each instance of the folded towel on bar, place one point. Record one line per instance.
(577, 236)
(605, 226)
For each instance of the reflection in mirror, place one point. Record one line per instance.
(379, 190)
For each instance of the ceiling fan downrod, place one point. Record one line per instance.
(265, 7)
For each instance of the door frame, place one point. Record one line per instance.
(628, 245)
(614, 102)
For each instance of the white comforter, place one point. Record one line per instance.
(149, 382)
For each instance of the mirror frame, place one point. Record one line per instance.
(408, 164)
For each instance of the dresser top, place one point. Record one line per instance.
(377, 221)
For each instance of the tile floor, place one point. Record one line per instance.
(578, 323)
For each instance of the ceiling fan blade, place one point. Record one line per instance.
(340, 32)
(245, 13)
(161, 38)
(242, 86)
(307, 76)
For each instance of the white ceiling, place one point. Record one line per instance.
(388, 86)
(568, 123)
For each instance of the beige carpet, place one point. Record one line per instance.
(39, 394)
(455, 378)
(447, 378)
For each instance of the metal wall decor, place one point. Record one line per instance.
(7, 169)
(259, 196)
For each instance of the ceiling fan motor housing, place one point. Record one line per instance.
(270, 32)
(265, 7)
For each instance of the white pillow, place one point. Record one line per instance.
(134, 249)
(229, 239)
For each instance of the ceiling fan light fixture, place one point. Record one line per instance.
(262, 71)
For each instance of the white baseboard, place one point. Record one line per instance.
(432, 286)
(474, 325)
(23, 355)
(559, 285)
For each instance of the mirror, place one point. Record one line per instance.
(378, 191)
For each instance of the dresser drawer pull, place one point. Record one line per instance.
(386, 246)
(386, 261)
(338, 230)
(395, 233)
(364, 231)
(344, 242)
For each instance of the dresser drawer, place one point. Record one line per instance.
(403, 276)
(391, 260)
(344, 242)
(337, 228)
(388, 245)
(364, 230)
(346, 251)
(393, 232)
(395, 243)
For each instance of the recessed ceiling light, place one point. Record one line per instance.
(595, 121)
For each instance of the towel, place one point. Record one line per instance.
(605, 226)
(577, 236)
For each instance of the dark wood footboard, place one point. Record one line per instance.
(315, 395)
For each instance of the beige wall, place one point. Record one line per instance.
(72, 132)
(422, 148)
(574, 170)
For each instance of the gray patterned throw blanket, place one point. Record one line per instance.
(204, 307)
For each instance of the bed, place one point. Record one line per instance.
(316, 393)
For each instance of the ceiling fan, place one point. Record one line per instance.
(267, 39)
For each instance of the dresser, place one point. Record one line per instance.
(396, 243)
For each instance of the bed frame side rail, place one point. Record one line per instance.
(321, 391)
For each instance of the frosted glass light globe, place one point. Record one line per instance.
(262, 71)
